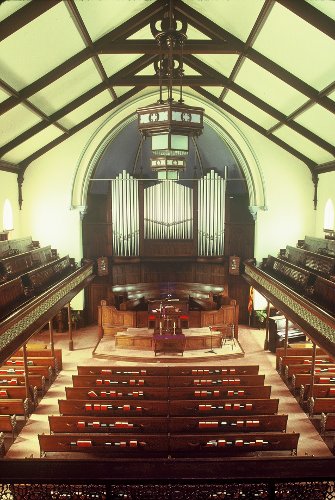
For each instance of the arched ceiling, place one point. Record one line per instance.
(267, 63)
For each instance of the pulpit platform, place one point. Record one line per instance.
(141, 344)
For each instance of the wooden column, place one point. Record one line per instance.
(70, 326)
(286, 337)
(313, 371)
(266, 341)
(51, 333)
(26, 372)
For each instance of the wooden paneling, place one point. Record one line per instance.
(168, 248)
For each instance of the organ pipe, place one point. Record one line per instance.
(168, 211)
(211, 204)
(125, 221)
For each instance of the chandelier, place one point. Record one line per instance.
(169, 123)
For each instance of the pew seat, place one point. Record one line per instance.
(316, 406)
(223, 407)
(109, 408)
(37, 381)
(319, 391)
(8, 424)
(327, 422)
(19, 392)
(119, 381)
(15, 407)
(215, 381)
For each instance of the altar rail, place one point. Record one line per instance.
(310, 478)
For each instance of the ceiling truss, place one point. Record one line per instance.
(117, 42)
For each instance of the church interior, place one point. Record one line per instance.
(167, 249)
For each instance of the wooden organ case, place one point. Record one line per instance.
(166, 244)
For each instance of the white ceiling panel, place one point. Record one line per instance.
(29, 147)
(8, 8)
(236, 17)
(285, 33)
(249, 110)
(67, 88)
(16, 121)
(113, 63)
(320, 121)
(102, 16)
(88, 108)
(269, 88)
(306, 147)
(30, 52)
(223, 63)
(215, 91)
(327, 7)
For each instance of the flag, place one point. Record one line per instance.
(251, 300)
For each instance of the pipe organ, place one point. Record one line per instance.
(168, 211)
(211, 214)
(125, 215)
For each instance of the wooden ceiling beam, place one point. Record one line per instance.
(7, 166)
(211, 29)
(126, 29)
(109, 107)
(203, 68)
(310, 163)
(323, 168)
(151, 47)
(126, 72)
(257, 27)
(81, 28)
(24, 16)
(312, 15)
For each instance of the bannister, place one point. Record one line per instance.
(17, 328)
(315, 322)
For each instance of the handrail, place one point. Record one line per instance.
(17, 328)
(314, 321)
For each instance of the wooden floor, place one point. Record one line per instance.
(85, 340)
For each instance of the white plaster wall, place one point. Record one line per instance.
(9, 190)
(326, 190)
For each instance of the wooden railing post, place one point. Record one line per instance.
(266, 342)
(70, 326)
(286, 336)
(51, 333)
(313, 371)
(26, 372)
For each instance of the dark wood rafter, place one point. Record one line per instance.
(109, 107)
(126, 73)
(7, 166)
(24, 16)
(32, 107)
(329, 166)
(310, 163)
(191, 47)
(209, 28)
(75, 15)
(199, 66)
(126, 29)
(312, 15)
(259, 23)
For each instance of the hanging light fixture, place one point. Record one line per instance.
(170, 123)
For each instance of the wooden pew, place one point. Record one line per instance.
(299, 379)
(319, 391)
(316, 262)
(228, 423)
(327, 423)
(208, 392)
(34, 352)
(291, 370)
(210, 445)
(37, 381)
(49, 361)
(324, 293)
(217, 380)
(19, 392)
(105, 408)
(136, 445)
(293, 350)
(123, 370)
(316, 406)
(46, 275)
(46, 371)
(214, 370)
(112, 394)
(302, 360)
(293, 276)
(75, 424)
(214, 407)
(14, 407)
(118, 381)
(8, 423)
(12, 296)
